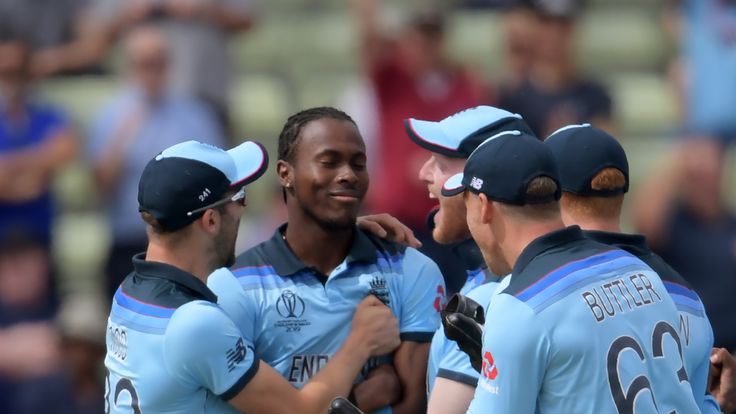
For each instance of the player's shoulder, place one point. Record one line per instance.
(553, 265)
(482, 294)
(197, 320)
(383, 247)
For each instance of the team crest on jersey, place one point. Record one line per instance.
(379, 288)
(291, 307)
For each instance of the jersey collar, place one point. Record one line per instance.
(173, 274)
(635, 244)
(286, 263)
(546, 242)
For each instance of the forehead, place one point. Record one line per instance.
(327, 134)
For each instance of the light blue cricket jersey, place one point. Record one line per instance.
(582, 328)
(446, 360)
(695, 330)
(170, 348)
(298, 318)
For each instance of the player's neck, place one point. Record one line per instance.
(521, 235)
(317, 246)
(610, 224)
(181, 258)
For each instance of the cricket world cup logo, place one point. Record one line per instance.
(290, 305)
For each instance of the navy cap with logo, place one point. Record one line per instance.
(187, 178)
(582, 151)
(458, 135)
(502, 168)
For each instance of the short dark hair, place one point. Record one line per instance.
(538, 188)
(289, 136)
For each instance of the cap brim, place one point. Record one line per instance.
(251, 161)
(429, 135)
(453, 186)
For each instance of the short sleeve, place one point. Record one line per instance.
(422, 295)
(203, 347)
(455, 364)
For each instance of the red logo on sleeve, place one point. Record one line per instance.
(440, 300)
(489, 369)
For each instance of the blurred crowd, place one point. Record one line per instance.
(176, 84)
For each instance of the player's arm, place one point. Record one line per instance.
(449, 397)
(381, 388)
(422, 294)
(410, 362)
(374, 333)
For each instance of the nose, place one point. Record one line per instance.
(347, 175)
(424, 173)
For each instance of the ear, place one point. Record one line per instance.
(285, 172)
(210, 221)
(487, 209)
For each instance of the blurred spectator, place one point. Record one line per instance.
(198, 32)
(411, 76)
(682, 211)
(62, 39)
(36, 140)
(27, 336)
(520, 25)
(554, 94)
(708, 65)
(142, 120)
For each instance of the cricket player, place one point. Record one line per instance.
(582, 327)
(594, 176)
(451, 379)
(170, 347)
(298, 290)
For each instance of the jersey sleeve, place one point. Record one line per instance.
(203, 346)
(454, 364)
(232, 299)
(422, 296)
(514, 360)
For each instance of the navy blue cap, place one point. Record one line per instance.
(502, 168)
(191, 175)
(582, 151)
(458, 135)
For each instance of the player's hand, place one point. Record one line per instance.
(723, 379)
(375, 326)
(389, 227)
(461, 320)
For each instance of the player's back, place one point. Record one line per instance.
(582, 328)
(696, 333)
(152, 351)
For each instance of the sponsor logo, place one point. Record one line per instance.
(440, 300)
(291, 307)
(476, 183)
(236, 355)
(379, 288)
(488, 368)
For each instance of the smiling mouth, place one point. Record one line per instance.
(346, 196)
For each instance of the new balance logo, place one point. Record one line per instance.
(206, 193)
(236, 355)
(476, 183)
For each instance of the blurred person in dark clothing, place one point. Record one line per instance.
(36, 140)
(554, 94)
(682, 210)
(27, 307)
(145, 117)
(411, 76)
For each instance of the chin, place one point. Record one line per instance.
(442, 235)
